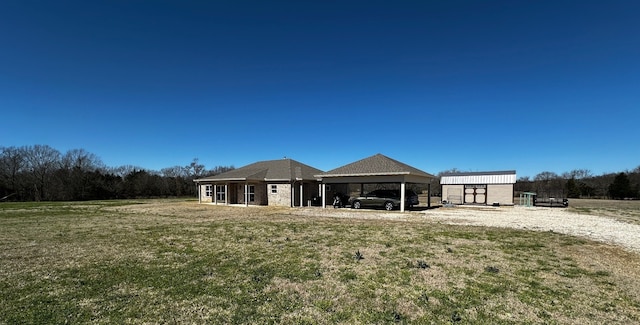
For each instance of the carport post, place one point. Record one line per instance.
(429, 195)
(246, 194)
(324, 192)
(402, 196)
(301, 194)
(292, 197)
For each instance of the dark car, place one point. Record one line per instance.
(387, 199)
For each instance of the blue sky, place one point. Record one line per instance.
(474, 85)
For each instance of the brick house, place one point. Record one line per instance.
(282, 182)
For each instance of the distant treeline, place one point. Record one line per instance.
(580, 183)
(42, 173)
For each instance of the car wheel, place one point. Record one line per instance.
(356, 205)
(388, 206)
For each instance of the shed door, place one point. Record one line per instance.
(475, 194)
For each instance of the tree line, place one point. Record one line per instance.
(42, 173)
(581, 183)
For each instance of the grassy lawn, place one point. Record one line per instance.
(626, 211)
(180, 262)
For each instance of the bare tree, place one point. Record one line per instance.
(195, 169)
(12, 164)
(76, 176)
(580, 174)
(549, 184)
(175, 178)
(449, 171)
(175, 171)
(123, 170)
(82, 160)
(42, 161)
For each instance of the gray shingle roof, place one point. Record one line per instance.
(377, 164)
(268, 170)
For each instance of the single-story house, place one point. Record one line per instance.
(483, 188)
(282, 182)
(377, 169)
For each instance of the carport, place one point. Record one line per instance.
(377, 169)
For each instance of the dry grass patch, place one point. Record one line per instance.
(180, 262)
(622, 210)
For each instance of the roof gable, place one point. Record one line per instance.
(268, 170)
(377, 164)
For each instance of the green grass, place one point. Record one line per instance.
(180, 262)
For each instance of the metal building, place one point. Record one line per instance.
(482, 188)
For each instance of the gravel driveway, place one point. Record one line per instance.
(544, 219)
(532, 218)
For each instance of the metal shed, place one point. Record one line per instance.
(483, 188)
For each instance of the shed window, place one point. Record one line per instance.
(207, 191)
(274, 189)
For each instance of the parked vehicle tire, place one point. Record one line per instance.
(388, 205)
(355, 204)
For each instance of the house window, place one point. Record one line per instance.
(220, 194)
(207, 190)
(274, 189)
(252, 193)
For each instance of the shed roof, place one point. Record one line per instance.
(268, 170)
(377, 164)
(489, 177)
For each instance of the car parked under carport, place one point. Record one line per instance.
(387, 199)
(377, 169)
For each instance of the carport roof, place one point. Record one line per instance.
(376, 165)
